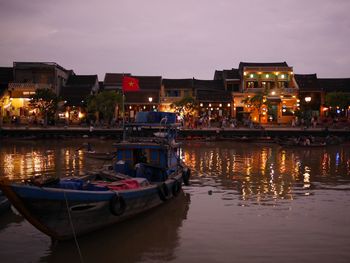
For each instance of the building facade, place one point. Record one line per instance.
(276, 84)
(27, 78)
(74, 95)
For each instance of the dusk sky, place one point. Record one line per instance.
(177, 39)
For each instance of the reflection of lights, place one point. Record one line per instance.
(306, 176)
(337, 159)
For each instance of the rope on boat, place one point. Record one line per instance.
(73, 229)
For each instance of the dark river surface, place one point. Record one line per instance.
(246, 203)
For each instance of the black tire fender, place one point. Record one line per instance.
(186, 174)
(163, 192)
(176, 187)
(117, 205)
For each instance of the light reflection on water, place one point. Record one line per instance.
(267, 172)
(246, 203)
(19, 161)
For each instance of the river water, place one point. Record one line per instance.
(246, 203)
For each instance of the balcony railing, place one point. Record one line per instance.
(28, 86)
(254, 90)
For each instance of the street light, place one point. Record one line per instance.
(307, 99)
(150, 99)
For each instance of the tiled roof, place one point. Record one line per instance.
(208, 84)
(81, 80)
(149, 82)
(227, 74)
(307, 82)
(114, 79)
(29, 65)
(78, 88)
(257, 64)
(335, 85)
(178, 83)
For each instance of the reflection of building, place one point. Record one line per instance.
(74, 94)
(27, 78)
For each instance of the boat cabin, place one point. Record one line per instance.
(152, 161)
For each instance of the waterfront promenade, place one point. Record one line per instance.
(215, 132)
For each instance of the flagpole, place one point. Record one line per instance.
(124, 134)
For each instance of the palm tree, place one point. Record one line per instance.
(104, 103)
(257, 102)
(185, 105)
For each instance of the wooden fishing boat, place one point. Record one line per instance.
(100, 155)
(145, 174)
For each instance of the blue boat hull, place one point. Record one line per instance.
(63, 213)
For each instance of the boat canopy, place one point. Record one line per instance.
(155, 117)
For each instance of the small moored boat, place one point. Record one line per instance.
(100, 155)
(145, 174)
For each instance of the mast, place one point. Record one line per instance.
(124, 132)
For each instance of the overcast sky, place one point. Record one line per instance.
(177, 38)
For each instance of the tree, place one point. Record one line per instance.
(104, 103)
(46, 101)
(186, 105)
(258, 102)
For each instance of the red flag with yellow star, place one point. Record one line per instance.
(130, 84)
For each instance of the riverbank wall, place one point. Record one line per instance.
(206, 133)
